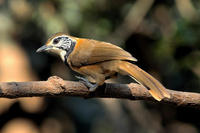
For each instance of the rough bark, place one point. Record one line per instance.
(56, 86)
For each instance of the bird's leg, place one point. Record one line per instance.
(92, 86)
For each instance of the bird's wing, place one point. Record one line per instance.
(91, 51)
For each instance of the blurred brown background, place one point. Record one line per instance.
(164, 35)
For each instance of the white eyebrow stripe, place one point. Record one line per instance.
(62, 36)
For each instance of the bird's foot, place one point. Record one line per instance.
(92, 86)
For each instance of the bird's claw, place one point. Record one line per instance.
(92, 86)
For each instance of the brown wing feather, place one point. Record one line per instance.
(91, 51)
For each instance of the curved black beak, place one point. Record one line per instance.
(43, 48)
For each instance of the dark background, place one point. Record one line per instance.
(164, 35)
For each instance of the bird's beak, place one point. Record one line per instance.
(44, 48)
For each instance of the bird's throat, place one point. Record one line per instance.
(63, 54)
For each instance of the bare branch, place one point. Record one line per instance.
(55, 86)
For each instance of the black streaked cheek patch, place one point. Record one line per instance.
(66, 44)
(71, 48)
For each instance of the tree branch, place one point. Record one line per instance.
(56, 86)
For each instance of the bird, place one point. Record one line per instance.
(98, 61)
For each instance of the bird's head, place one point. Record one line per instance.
(60, 44)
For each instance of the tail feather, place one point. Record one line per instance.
(157, 90)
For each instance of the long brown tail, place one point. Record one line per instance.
(156, 89)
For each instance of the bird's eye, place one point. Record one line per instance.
(56, 41)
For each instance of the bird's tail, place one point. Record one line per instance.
(156, 89)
